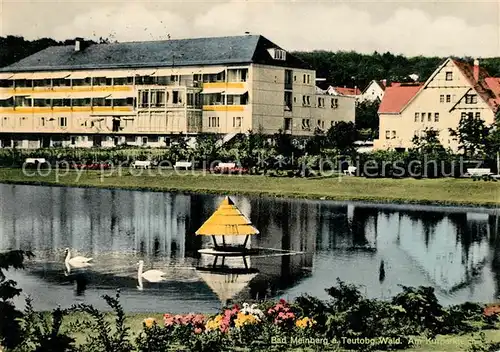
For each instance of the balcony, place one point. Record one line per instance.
(224, 107)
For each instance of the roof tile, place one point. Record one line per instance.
(397, 96)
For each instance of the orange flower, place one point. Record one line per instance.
(149, 322)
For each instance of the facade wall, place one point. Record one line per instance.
(306, 109)
(440, 105)
(108, 108)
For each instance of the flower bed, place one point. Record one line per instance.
(246, 326)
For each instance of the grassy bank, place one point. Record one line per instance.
(447, 191)
(443, 343)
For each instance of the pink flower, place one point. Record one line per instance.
(197, 331)
(270, 311)
(168, 320)
(282, 301)
(199, 319)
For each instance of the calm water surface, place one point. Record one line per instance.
(455, 250)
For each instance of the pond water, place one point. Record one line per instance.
(455, 250)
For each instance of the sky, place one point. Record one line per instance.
(408, 27)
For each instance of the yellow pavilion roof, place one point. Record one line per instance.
(227, 220)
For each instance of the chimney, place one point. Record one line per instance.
(476, 70)
(78, 44)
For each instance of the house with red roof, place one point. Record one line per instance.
(346, 91)
(456, 89)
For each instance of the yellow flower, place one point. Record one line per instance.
(149, 322)
(305, 322)
(214, 324)
(245, 319)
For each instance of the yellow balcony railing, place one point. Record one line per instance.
(224, 107)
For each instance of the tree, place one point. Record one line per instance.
(10, 329)
(367, 119)
(342, 136)
(472, 135)
(283, 144)
(315, 145)
(207, 146)
(493, 140)
(429, 142)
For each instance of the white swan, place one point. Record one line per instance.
(76, 262)
(152, 275)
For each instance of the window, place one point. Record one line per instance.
(393, 134)
(471, 99)
(448, 98)
(422, 117)
(42, 122)
(63, 121)
(321, 102)
(288, 79)
(295, 78)
(236, 121)
(463, 115)
(306, 100)
(288, 124)
(308, 79)
(306, 124)
(175, 97)
(321, 124)
(429, 117)
(436, 117)
(213, 121)
(449, 76)
(288, 101)
(470, 115)
(144, 140)
(334, 103)
(73, 140)
(441, 98)
(387, 134)
(478, 115)
(304, 78)
(417, 117)
(99, 81)
(279, 54)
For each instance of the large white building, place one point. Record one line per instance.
(143, 93)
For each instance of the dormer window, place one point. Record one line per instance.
(278, 54)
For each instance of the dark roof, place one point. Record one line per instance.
(166, 53)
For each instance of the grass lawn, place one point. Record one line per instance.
(447, 191)
(447, 343)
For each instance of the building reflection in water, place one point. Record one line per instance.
(456, 250)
